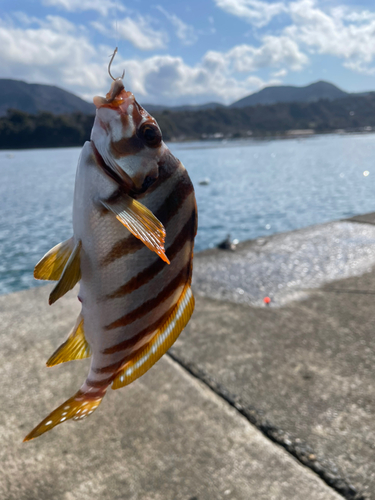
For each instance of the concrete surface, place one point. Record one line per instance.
(282, 266)
(304, 369)
(165, 437)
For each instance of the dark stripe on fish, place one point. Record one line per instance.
(186, 233)
(122, 180)
(98, 384)
(127, 146)
(111, 368)
(164, 213)
(151, 304)
(126, 246)
(129, 343)
(175, 199)
(114, 369)
(167, 167)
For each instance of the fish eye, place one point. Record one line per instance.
(151, 135)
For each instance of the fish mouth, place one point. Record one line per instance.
(116, 98)
(118, 175)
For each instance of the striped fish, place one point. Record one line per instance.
(134, 223)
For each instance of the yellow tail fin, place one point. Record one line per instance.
(160, 342)
(51, 266)
(78, 407)
(75, 347)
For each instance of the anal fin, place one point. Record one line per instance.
(141, 222)
(164, 338)
(78, 407)
(51, 266)
(75, 347)
(70, 275)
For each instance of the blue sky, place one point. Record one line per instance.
(188, 52)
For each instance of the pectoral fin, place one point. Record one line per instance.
(75, 347)
(141, 222)
(70, 275)
(164, 338)
(52, 264)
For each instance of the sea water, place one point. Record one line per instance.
(251, 188)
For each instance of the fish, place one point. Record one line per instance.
(134, 224)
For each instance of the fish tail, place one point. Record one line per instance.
(78, 407)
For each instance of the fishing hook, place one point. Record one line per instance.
(109, 66)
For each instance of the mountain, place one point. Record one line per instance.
(351, 113)
(151, 108)
(34, 97)
(273, 95)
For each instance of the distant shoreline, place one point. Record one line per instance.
(353, 114)
(292, 134)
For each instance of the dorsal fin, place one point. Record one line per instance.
(75, 347)
(70, 275)
(164, 338)
(52, 264)
(141, 222)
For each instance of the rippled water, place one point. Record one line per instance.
(256, 188)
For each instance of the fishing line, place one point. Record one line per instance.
(117, 35)
(116, 24)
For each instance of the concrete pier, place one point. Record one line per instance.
(253, 401)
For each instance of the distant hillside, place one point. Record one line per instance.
(34, 97)
(352, 113)
(151, 108)
(274, 95)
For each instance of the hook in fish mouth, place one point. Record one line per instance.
(116, 97)
(109, 66)
(117, 94)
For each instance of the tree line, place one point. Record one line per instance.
(19, 130)
(23, 130)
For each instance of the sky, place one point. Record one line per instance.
(188, 52)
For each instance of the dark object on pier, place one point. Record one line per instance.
(204, 182)
(227, 244)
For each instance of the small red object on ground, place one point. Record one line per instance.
(266, 300)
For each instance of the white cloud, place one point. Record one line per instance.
(184, 32)
(215, 76)
(274, 52)
(343, 33)
(137, 31)
(101, 6)
(280, 74)
(56, 23)
(170, 80)
(55, 52)
(256, 12)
